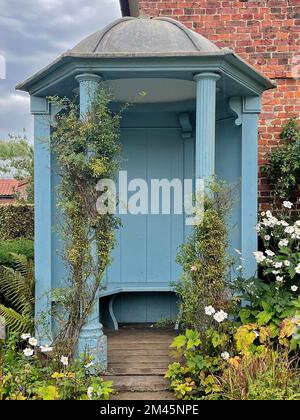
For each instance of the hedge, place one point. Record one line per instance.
(16, 246)
(16, 221)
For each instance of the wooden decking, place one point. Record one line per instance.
(137, 362)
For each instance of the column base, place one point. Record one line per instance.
(93, 342)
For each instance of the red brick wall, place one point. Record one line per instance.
(264, 32)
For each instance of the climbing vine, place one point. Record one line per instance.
(205, 261)
(283, 162)
(87, 150)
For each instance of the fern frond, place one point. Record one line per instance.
(17, 287)
(16, 322)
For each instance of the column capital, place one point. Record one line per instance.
(88, 77)
(206, 76)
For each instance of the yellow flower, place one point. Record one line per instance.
(57, 375)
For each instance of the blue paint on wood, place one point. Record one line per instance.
(228, 168)
(43, 222)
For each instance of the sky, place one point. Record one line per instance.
(32, 34)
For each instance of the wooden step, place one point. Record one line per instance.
(137, 370)
(140, 365)
(143, 396)
(138, 346)
(140, 383)
(139, 352)
(135, 358)
(141, 340)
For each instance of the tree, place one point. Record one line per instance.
(16, 160)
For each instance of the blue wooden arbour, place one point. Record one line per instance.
(198, 118)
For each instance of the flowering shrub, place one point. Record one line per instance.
(275, 302)
(278, 309)
(35, 373)
(249, 351)
(280, 261)
(194, 378)
(235, 362)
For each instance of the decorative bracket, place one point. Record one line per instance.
(244, 105)
(186, 126)
(235, 104)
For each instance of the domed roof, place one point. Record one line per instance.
(145, 36)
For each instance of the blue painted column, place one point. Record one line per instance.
(205, 124)
(43, 218)
(91, 340)
(251, 107)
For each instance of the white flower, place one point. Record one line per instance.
(25, 336)
(275, 272)
(88, 365)
(28, 352)
(283, 242)
(64, 360)
(256, 333)
(268, 213)
(270, 253)
(259, 256)
(46, 349)
(193, 268)
(297, 269)
(286, 263)
(278, 265)
(289, 229)
(283, 223)
(297, 223)
(90, 391)
(269, 261)
(32, 341)
(294, 288)
(267, 237)
(220, 316)
(225, 355)
(287, 204)
(279, 279)
(209, 310)
(258, 227)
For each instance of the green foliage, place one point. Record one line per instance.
(194, 378)
(267, 305)
(46, 378)
(283, 162)
(236, 362)
(17, 288)
(18, 246)
(87, 150)
(16, 221)
(16, 160)
(205, 261)
(267, 376)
